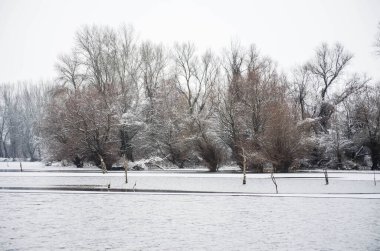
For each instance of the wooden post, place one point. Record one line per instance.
(134, 186)
(326, 176)
(374, 177)
(244, 168)
(125, 168)
(274, 181)
(20, 166)
(102, 164)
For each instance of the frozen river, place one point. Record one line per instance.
(39, 212)
(101, 221)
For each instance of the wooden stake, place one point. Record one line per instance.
(102, 164)
(274, 181)
(244, 168)
(374, 177)
(125, 168)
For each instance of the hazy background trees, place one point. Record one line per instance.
(377, 40)
(117, 96)
(22, 107)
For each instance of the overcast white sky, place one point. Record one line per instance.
(34, 32)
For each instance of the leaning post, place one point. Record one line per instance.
(326, 176)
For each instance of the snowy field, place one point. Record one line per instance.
(49, 208)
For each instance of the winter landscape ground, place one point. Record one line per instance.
(46, 208)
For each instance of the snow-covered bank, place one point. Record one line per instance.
(37, 175)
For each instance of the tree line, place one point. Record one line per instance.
(116, 96)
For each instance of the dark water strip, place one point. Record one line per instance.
(97, 190)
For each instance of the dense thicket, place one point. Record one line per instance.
(116, 96)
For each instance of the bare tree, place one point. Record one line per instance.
(69, 70)
(234, 60)
(171, 135)
(281, 137)
(209, 146)
(14, 122)
(81, 125)
(119, 97)
(242, 113)
(153, 63)
(328, 67)
(32, 104)
(4, 117)
(128, 67)
(195, 79)
(301, 85)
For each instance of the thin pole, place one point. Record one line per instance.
(125, 169)
(374, 177)
(244, 168)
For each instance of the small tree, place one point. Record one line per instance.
(211, 150)
(81, 124)
(281, 139)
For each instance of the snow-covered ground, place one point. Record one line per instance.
(49, 208)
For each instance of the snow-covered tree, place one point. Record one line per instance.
(331, 80)
(81, 125)
(366, 119)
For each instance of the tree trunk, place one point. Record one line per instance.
(213, 167)
(126, 146)
(283, 167)
(339, 160)
(13, 149)
(237, 156)
(375, 160)
(1, 149)
(31, 152)
(102, 164)
(129, 152)
(5, 150)
(181, 164)
(325, 113)
(302, 103)
(375, 155)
